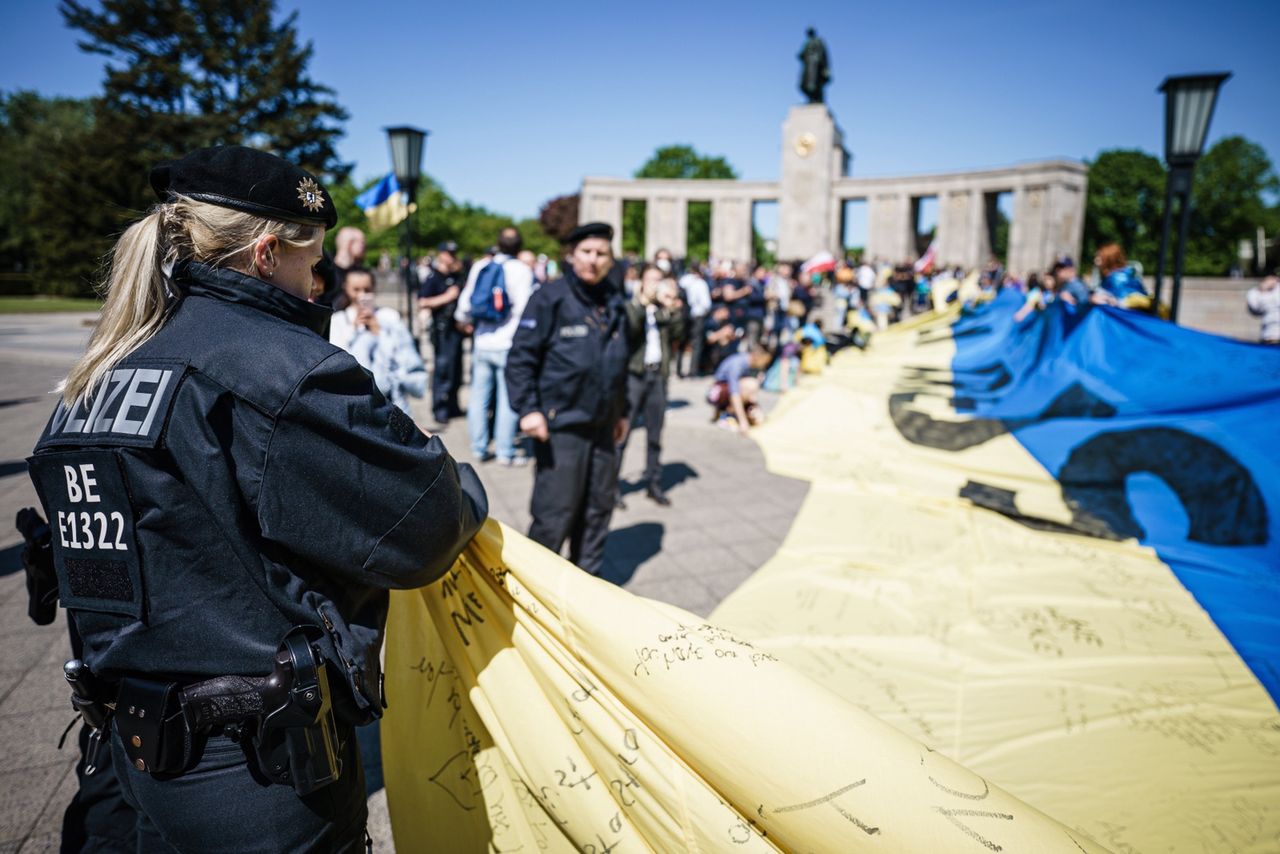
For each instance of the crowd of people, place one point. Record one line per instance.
(259, 479)
(688, 317)
(744, 328)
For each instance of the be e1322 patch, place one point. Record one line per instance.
(95, 549)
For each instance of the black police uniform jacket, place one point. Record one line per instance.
(235, 476)
(568, 359)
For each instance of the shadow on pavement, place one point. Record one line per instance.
(11, 560)
(370, 738)
(673, 474)
(13, 467)
(18, 401)
(627, 548)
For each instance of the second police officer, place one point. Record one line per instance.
(230, 499)
(567, 382)
(438, 294)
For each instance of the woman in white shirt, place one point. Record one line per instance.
(378, 340)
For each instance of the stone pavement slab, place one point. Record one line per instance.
(728, 516)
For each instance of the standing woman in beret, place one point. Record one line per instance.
(231, 498)
(567, 382)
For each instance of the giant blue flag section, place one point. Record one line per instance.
(1047, 548)
(1153, 431)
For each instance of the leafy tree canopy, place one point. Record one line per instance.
(209, 72)
(438, 218)
(677, 161)
(1125, 203)
(559, 216)
(30, 127)
(1233, 183)
(682, 161)
(179, 75)
(1228, 203)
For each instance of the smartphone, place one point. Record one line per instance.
(365, 301)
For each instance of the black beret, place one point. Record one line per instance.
(448, 246)
(249, 180)
(590, 229)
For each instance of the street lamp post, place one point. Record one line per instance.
(406, 161)
(1188, 107)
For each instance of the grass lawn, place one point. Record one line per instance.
(32, 305)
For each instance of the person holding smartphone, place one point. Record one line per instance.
(379, 341)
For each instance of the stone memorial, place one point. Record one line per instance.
(1048, 199)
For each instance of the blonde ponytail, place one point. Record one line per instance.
(135, 288)
(135, 305)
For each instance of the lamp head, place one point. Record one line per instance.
(406, 153)
(1189, 103)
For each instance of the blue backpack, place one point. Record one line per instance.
(489, 301)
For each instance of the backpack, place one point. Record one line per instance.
(489, 300)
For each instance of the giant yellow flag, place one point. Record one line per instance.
(1047, 548)
(1036, 570)
(534, 707)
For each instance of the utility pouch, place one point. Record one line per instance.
(150, 722)
(297, 740)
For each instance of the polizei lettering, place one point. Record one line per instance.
(129, 402)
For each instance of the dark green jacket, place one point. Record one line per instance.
(670, 327)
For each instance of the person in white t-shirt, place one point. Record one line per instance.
(697, 296)
(1264, 301)
(379, 340)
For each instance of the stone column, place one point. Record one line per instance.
(666, 226)
(1064, 208)
(731, 229)
(836, 208)
(812, 158)
(978, 248)
(889, 227)
(1028, 238)
(599, 207)
(954, 218)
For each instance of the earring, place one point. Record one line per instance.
(270, 273)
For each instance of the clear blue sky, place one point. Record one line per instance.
(524, 99)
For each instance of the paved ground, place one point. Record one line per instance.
(728, 517)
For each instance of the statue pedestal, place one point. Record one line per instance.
(813, 156)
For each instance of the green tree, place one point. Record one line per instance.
(1228, 203)
(30, 126)
(537, 239)
(344, 192)
(1229, 195)
(998, 229)
(180, 74)
(677, 161)
(1125, 204)
(683, 161)
(91, 184)
(205, 73)
(438, 218)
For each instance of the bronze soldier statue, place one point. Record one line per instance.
(816, 72)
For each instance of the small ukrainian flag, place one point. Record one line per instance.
(384, 204)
